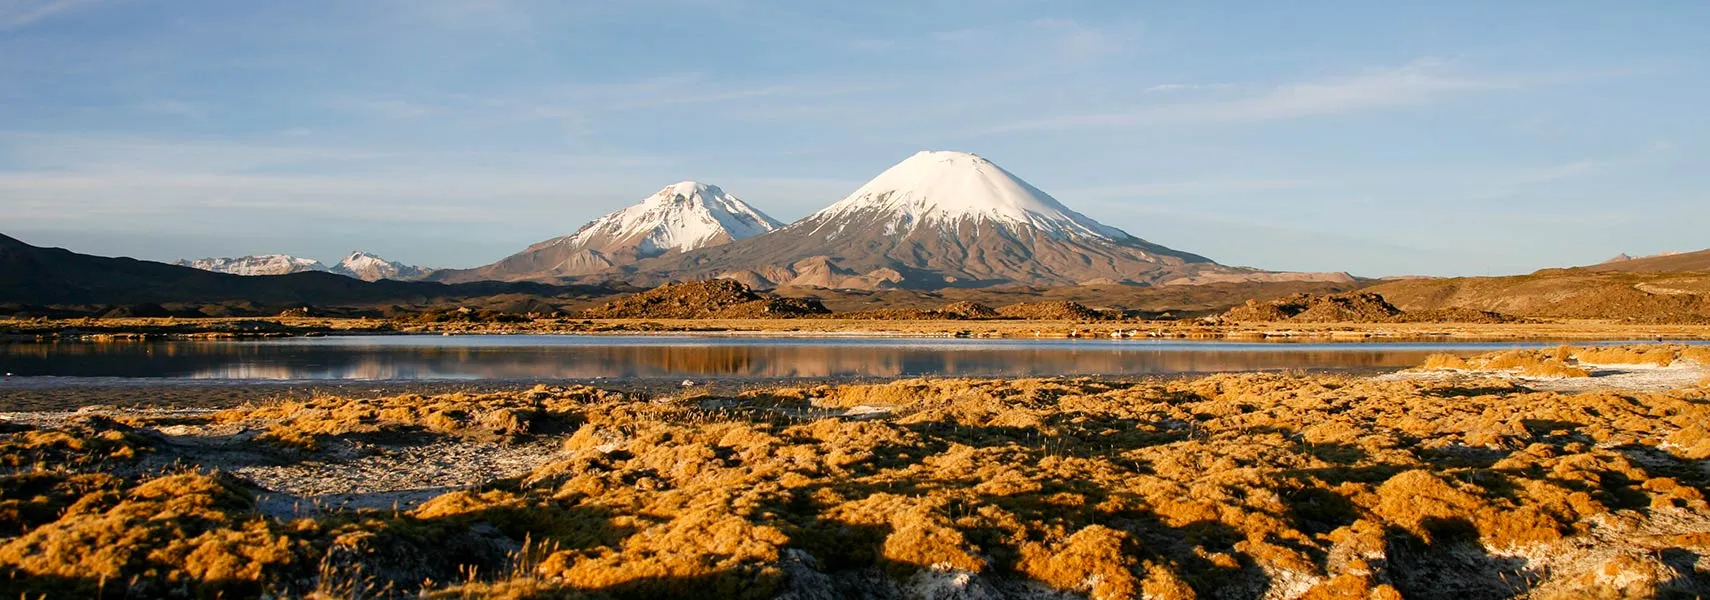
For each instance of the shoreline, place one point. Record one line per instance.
(237, 329)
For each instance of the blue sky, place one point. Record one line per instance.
(1435, 138)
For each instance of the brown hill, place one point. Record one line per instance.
(1564, 293)
(1667, 263)
(1353, 307)
(716, 299)
(1172, 301)
(1051, 311)
(955, 311)
(32, 275)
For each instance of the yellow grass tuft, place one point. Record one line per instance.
(1446, 362)
(1558, 362)
(1092, 561)
(1661, 356)
(1535, 363)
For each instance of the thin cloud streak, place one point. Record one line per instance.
(1416, 83)
(18, 14)
(1205, 187)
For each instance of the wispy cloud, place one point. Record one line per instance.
(18, 14)
(88, 153)
(1034, 42)
(1176, 189)
(1578, 168)
(384, 108)
(579, 107)
(173, 108)
(61, 180)
(1419, 82)
(1163, 88)
(501, 15)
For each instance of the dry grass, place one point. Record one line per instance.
(1436, 362)
(1220, 486)
(1530, 363)
(1534, 363)
(89, 441)
(1661, 356)
(153, 537)
(303, 423)
(1569, 361)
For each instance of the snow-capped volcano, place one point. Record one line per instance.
(369, 267)
(682, 217)
(942, 219)
(945, 190)
(263, 264)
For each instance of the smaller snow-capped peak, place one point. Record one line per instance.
(262, 264)
(369, 267)
(943, 189)
(683, 216)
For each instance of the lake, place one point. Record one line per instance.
(549, 357)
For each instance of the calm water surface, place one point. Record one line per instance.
(521, 357)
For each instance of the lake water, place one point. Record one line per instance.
(547, 357)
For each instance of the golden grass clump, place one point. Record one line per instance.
(1535, 363)
(699, 554)
(1446, 362)
(90, 441)
(1661, 356)
(1570, 361)
(1697, 354)
(33, 498)
(303, 424)
(1092, 561)
(161, 534)
(1530, 363)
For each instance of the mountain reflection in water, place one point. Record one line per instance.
(586, 357)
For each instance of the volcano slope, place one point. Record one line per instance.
(681, 217)
(1229, 486)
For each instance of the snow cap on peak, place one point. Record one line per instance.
(682, 216)
(943, 188)
(947, 156)
(688, 189)
(264, 264)
(370, 267)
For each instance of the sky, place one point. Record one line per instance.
(1378, 138)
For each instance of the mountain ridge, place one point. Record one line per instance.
(56, 276)
(255, 264)
(681, 217)
(1657, 263)
(370, 267)
(358, 264)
